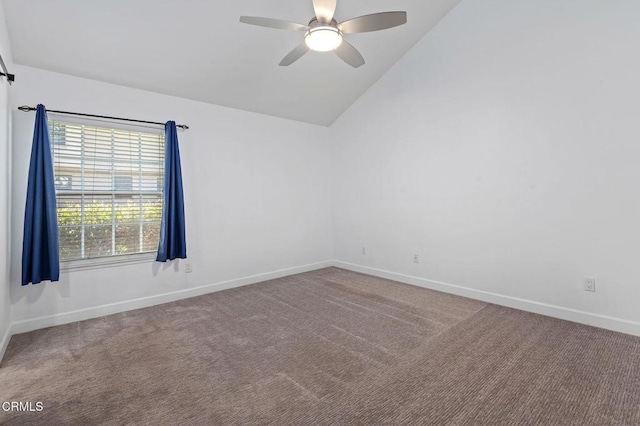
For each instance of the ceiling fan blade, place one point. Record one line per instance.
(297, 53)
(324, 9)
(374, 22)
(272, 23)
(350, 54)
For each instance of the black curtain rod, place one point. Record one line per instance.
(25, 108)
(10, 77)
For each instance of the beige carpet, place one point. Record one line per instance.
(325, 347)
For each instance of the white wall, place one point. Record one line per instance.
(256, 194)
(5, 186)
(504, 150)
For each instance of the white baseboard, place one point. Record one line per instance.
(596, 320)
(144, 302)
(5, 342)
(574, 315)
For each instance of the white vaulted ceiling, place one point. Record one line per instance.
(198, 49)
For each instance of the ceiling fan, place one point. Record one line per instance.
(324, 34)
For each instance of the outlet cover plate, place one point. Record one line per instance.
(589, 284)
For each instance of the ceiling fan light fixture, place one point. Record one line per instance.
(323, 38)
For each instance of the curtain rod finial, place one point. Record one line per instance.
(25, 108)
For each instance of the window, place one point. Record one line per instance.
(109, 199)
(123, 183)
(63, 182)
(57, 133)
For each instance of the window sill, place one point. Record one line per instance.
(105, 262)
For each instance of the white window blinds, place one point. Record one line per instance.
(108, 189)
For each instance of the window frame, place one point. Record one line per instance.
(108, 261)
(113, 259)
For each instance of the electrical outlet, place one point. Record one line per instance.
(589, 284)
(188, 268)
(416, 258)
(364, 251)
